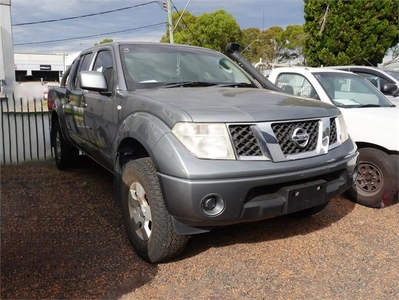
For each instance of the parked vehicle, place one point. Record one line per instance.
(386, 80)
(373, 123)
(194, 142)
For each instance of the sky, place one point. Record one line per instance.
(144, 22)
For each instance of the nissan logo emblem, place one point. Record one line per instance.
(300, 137)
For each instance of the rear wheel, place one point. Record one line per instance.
(65, 156)
(376, 179)
(147, 221)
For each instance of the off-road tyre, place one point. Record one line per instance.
(395, 161)
(147, 221)
(375, 180)
(65, 156)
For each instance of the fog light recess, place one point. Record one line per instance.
(212, 205)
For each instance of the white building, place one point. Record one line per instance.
(6, 48)
(41, 67)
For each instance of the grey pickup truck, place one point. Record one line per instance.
(196, 140)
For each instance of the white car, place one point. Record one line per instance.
(372, 121)
(386, 80)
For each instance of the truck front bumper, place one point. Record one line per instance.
(198, 205)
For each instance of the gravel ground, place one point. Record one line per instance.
(63, 238)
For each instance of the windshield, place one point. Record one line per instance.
(164, 65)
(393, 73)
(349, 90)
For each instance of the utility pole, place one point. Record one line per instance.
(170, 22)
(7, 68)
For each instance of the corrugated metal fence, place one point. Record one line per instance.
(25, 133)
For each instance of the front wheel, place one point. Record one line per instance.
(147, 221)
(377, 179)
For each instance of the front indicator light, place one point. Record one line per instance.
(343, 131)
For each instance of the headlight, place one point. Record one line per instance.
(210, 141)
(343, 131)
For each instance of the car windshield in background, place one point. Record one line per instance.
(349, 90)
(149, 66)
(393, 73)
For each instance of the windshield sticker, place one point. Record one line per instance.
(178, 66)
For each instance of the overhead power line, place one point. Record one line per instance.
(85, 16)
(90, 36)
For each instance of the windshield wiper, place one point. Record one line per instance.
(369, 105)
(187, 84)
(236, 84)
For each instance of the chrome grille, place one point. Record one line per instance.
(244, 140)
(333, 131)
(284, 131)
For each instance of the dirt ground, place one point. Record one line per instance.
(62, 238)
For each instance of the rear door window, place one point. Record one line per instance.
(376, 80)
(296, 84)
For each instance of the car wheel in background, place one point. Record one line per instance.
(395, 161)
(147, 221)
(376, 184)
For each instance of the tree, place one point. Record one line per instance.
(182, 34)
(215, 30)
(293, 38)
(273, 45)
(211, 30)
(395, 55)
(250, 44)
(104, 41)
(343, 32)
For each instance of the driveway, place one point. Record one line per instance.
(63, 238)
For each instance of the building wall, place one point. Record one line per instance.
(38, 67)
(41, 67)
(6, 49)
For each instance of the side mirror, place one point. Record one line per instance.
(93, 81)
(390, 89)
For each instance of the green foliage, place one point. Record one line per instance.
(182, 34)
(294, 38)
(251, 44)
(343, 32)
(104, 41)
(214, 30)
(273, 45)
